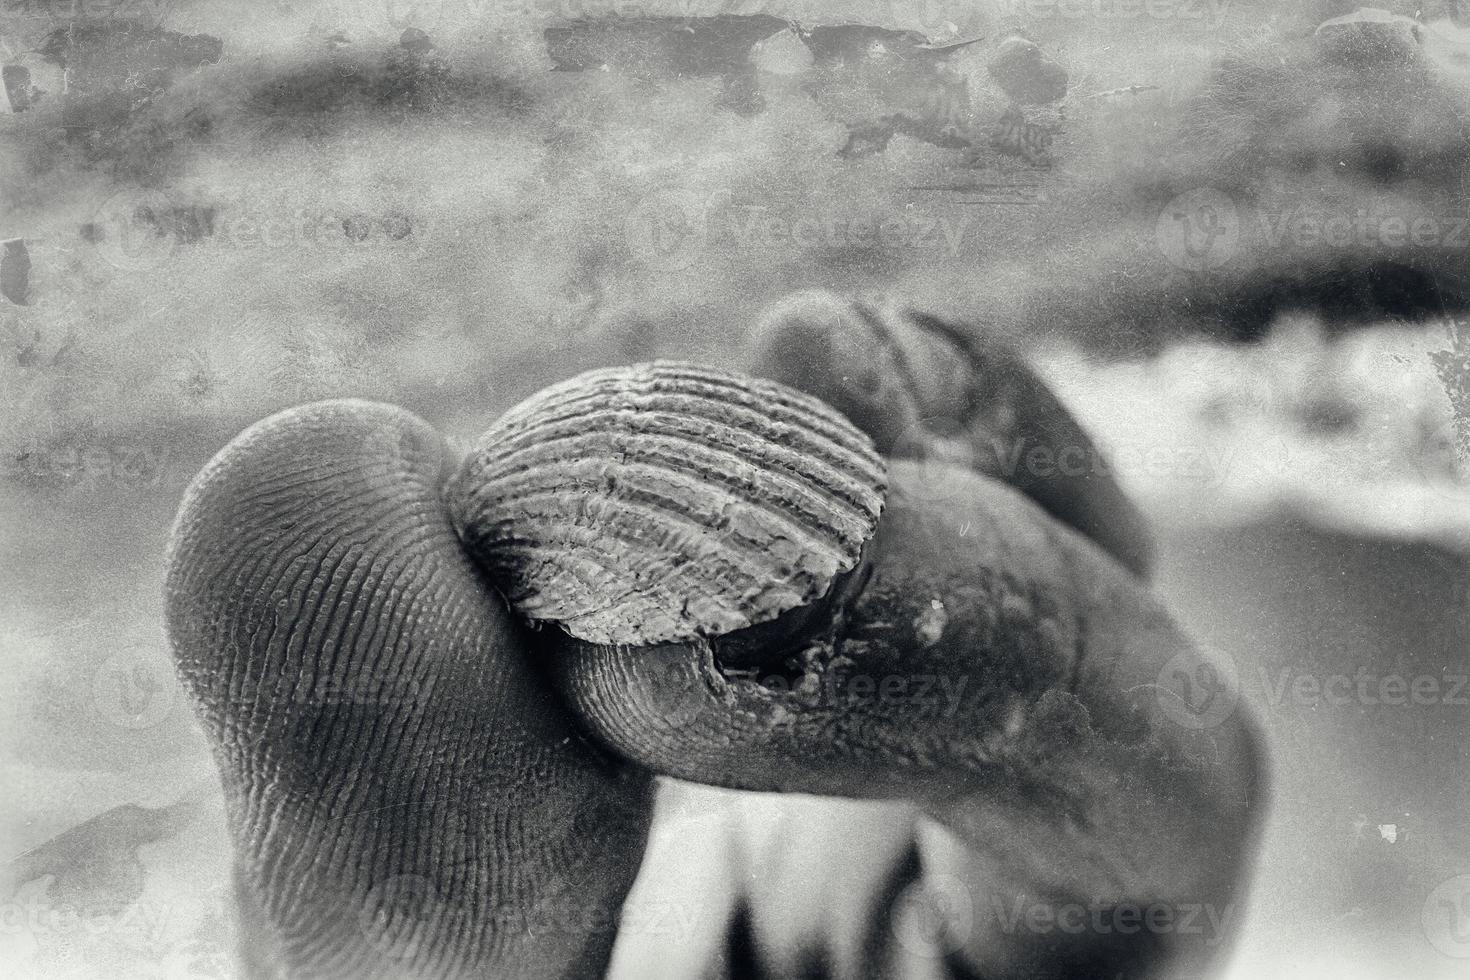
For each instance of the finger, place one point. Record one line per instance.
(406, 798)
(997, 668)
(986, 640)
(925, 389)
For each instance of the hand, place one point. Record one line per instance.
(315, 554)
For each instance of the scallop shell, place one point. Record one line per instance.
(661, 502)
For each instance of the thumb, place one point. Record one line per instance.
(404, 794)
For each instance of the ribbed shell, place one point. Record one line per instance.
(665, 501)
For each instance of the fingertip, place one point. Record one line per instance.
(820, 343)
(924, 388)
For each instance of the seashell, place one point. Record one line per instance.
(663, 502)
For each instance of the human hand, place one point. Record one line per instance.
(321, 546)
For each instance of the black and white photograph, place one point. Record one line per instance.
(734, 490)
